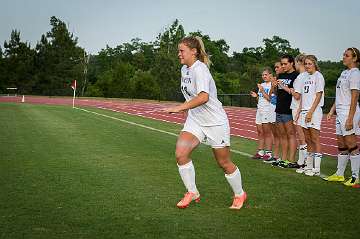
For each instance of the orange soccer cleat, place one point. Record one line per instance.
(239, 201)
(187, 199)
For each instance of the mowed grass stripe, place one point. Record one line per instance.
(150, 128)
(66, 173)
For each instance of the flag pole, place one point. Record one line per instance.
(74, 99)
(74, 88)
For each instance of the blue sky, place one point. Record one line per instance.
(321, 27)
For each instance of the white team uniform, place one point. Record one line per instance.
(297, 86)
(348, 80)
(265, 110)
(207, 122)
(312, 84)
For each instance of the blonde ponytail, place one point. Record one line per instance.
(197, 43)
(203, 56)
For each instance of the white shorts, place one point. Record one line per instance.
(216, 136)
(264, 117)
(315, 122)
(294, 111)
(341, 117)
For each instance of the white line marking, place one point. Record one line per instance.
(150, 128)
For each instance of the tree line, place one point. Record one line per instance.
(136, 69)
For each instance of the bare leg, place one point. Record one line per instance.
(290, 132)
(260, 136)
(283, 141)
(267, 136)
(276, 141)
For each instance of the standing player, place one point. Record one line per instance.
(206, 121)
(265, 115)
(284, 118)
(312, 100)
(347, 118)
(276, 148)
(295, 103)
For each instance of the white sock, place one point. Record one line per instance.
(341, 165)
(234, 180)
(302, 154)
(187, 173)
(317, 161)
(355, 165)
(309, 160)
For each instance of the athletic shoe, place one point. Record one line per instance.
(270, 160)
(277, 162)
(335, 178)
(294, 165)
(257, 156)
(238, 201)
(301, 169)
(312, 172)
(351, 182)
(187, 199)
(284, 164)
(266, 156)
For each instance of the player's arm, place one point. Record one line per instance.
(331, 112)
(313, 106)
(287, 89)
(274, 85)
(298, 111)
(354, 100)
(200, 99)
(296, 95)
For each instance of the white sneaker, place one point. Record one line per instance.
(300, 170)
(312, 172)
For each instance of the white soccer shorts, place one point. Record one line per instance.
(216, 136)
(315, 122)
(265, 117)
(341, 117)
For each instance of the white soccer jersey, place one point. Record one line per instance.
(263, 104)
(348, 80)
(298, 86)
(312, 84)
(196, 79)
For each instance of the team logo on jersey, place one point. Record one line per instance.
(222, 142)
(338, 83)
(286, 82)
(186, 80)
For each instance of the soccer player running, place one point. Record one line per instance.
(347, 117)
(284, 118)
(295, 107)
(265, 116)
(206, 121)
(312, 100)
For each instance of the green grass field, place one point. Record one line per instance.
(66, 173)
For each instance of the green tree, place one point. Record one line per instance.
(18, 64)
(59, 60)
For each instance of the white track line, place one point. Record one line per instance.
(150, 128)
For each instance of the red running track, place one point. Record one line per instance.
(242, 120)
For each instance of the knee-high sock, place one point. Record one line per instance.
(234, 180)
(355, 165)
(302, 154)
(317, 161)
(309, 160)
(187, 173)
(341, 165)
